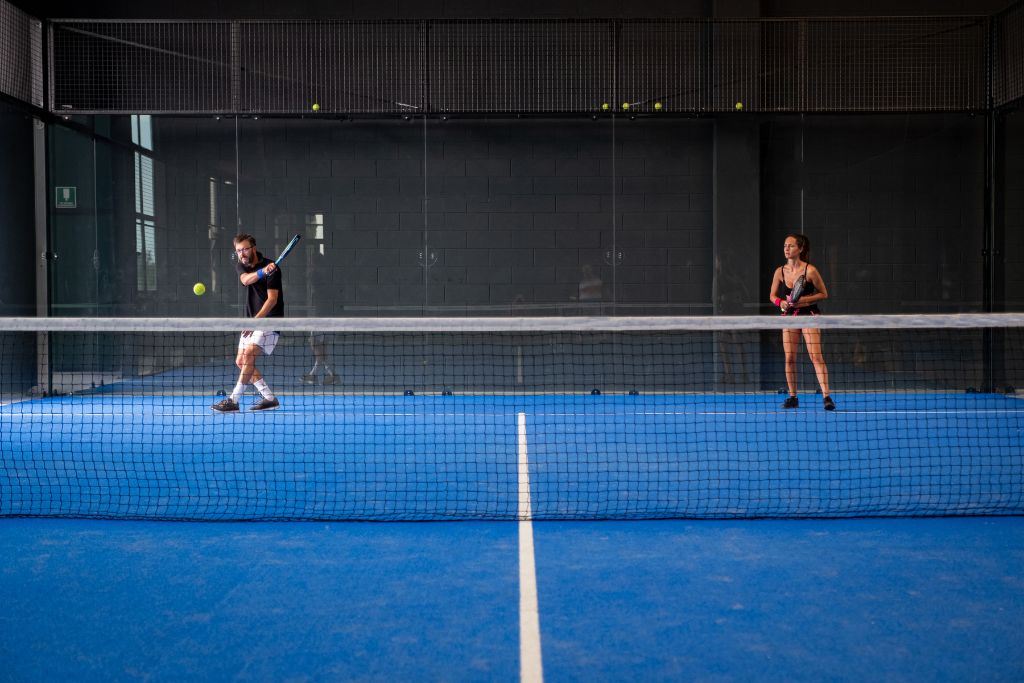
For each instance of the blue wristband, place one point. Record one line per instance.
(260, 274)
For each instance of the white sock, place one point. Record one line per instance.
(237, 392)
(261, 386)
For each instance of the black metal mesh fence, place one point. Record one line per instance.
(699, 65)
(181, 66)
(371, 67)
(919, 64)
(661, 65)
(536, 66)
(21, 55)
(1008, 56)
(521, 66)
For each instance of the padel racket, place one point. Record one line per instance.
(794, 294)
(288, 248)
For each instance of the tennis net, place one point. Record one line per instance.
(509, 418)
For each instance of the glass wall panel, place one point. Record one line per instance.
(663, 257)
(90, 199)
(19, 259)
(74, 283)
(1010, 203)
(200, 196)
(519, 216)
(893, 206)
(354, 190)
(894, 209)
(1009, 291)
(562, 216)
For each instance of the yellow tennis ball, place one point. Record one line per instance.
(199, 289)
(316, 107)
(604, 105)
(657, 105)
(739, 105)
(625, 105)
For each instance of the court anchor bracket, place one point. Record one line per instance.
(613, 257)
(426, 258)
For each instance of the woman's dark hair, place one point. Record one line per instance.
(803, 244)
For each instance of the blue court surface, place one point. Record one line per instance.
(920, 596)
(457, 457)
(805, 600)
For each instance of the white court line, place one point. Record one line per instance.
(531, 669)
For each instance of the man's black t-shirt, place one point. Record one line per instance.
(256, 293)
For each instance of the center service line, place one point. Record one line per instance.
(531, 669)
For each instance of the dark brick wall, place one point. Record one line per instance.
(893, 206)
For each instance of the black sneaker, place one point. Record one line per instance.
(308, 378)
(330, 378)
(225, 406)
(264, 404)
(791, 402)
(829, 403)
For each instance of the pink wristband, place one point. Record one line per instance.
(778, 301)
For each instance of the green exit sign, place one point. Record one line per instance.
(67, 197)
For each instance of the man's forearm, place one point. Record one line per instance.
(265, 310)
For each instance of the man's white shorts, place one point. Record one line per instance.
(265, 340)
